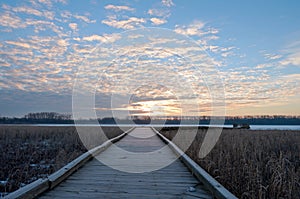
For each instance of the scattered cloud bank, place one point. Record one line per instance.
(126, 24)
(195, 29)
(54, 43)
(118, 8)
(292, 55)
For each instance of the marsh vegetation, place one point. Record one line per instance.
(28, 153)
(251, 164)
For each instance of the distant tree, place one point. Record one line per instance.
(47, 116)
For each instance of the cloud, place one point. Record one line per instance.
(44, 25)
(9, 19)
(165, 13)
(289, 56)
(272, 56)
(27, 10)
(62, 42)
(204, 34)
(211, 37)
(167, 3)
(30, 11)
(66, 14)
(263, 66)
(4, 63)
(18, 44)
(118, 8)
(157, 21)
(130, 23)
(62, 1)
(94, 38)
(44, 64)
(46, 2)
(105, 38)
(292, 59)
(248, 87)
(76, 39)
(48, 14)
(84, 18)
(73, 26)
(195, 28)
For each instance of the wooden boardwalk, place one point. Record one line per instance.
(96, 180)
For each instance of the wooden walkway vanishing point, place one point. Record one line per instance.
(183, 178)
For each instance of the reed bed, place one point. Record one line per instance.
(251, 164)
(28, 152)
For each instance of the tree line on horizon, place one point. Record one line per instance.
(64, 118)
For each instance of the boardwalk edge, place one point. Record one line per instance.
(41, 185)
(218, 190)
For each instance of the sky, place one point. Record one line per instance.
(157, 58)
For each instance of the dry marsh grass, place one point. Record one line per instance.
(252, 164)
(28, 152)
